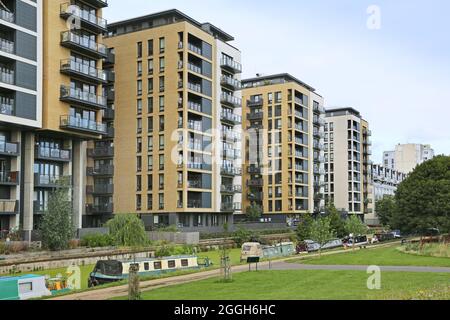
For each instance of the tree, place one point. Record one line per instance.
(423, 199)
(336, 221)
(321, 232)
(128, 230)
(385, 209)
(304, 227)
(56, 227)
(355, 227)
(254, 212)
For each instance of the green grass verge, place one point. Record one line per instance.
(304, 285)
(387, 256)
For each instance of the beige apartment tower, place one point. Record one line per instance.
(284, 157)
(177, 121)
(348, 165)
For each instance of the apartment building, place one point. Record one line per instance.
(406, 157)
(177, 121)
(284, 146)
(20, 101)
(52, 103)
(348, 165)
(385, 183)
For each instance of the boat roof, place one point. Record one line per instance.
(27, 276)
(139, 260)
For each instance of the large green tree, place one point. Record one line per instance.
(336, 221)
(304, 227)
(56, 228)
(254, 212)
(423, 199)
(128, 230)
(321, 232)
(385, 209)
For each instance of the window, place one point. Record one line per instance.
(150, 124)
(162, 45)
(161, 202)
(150, 182)
(184, 262)
(146, 266)
(161, 162)
(139, 126)
(139, 87)
(150, 85)
(139, 145)
(139, 106)
(139, 164)
(171, 264)
(162, 64)
(139, 68)
(150, 47)
(150, 163)
(161, 123)
(139, 49)
(162, 85)
(150, 105)
(161, 142)
(139, 183)
(149, 202)
(278, 97)
(161, 183)
(26, 287)
(150, 66)
(157, 265)
(138, 202)
(161, 103)
(150, 144)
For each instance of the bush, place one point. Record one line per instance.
(97, 240)
(13, 247)
(128, 230)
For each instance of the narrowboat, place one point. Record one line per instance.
(256, 250)
(23, 287)
(108, 271)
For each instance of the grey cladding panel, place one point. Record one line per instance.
(26, 16)
(26, 45)
(26, 106)
(26, 75)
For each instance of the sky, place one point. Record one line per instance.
(396, 74)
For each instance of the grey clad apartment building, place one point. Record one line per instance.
(20, 99)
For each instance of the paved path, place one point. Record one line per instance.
(296, 266)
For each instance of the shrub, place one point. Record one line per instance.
(97, 240)
(128, 230)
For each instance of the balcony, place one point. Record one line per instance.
(87, 20)
(227, 207)
(109, 114)
(230, 117)
(255, 116)
(254, 170)
(255, 103)
(230, 83)
(255, 183)
(83, 45)
(51, 154)
(9, 149)
(100, 189)
(318, 109)
(100, 208)
(110, 59)
(85, 72)
(198, 166)
(110, 133)
(82, 125)
(231, 66)
(97, 3)
(82, 98)
(7, 75)
(105, 152)
(110, 76)
(319, 121)
(7, 46)
(105, 170)
(9, 207)
(8, 178)
(230, 171)
(47, 181)
(230, 100)
(7, 16)
(195, 49)
(7, 105)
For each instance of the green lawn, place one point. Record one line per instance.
(302, 285)
(389, 256)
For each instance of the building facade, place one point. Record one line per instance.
(20, 103)
(52, 103)
(406, 157)
(348, 165)
(284, 156)
(177, 121)
(385, 183)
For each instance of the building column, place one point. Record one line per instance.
(27, 176)
(79, 149)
